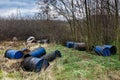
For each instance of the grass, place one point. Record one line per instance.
(74, 65)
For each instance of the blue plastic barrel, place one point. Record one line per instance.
(101, 50)
(32, 64)
(39, 52)
(13, 54)
(70, 44)
(113, 49)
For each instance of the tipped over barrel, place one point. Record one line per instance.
(34, 64)
(101, 50)
(13, 54)
(80, 46)
(39, 52)
(52, 56)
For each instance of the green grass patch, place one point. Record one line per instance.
(74, 65)
(1, 74)
(79, 64)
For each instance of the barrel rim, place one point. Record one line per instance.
(113, 50)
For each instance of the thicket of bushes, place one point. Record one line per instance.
(23, 28)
